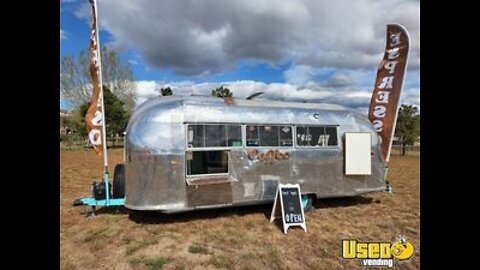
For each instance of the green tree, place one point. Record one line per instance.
(166, 91)
(222, 92)
(75, 78)
(116, 117)
(407, 129)
(72, 128)
(77, 124)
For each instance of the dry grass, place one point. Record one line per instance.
(237, 238)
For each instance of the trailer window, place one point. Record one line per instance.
(269, 135)
(200, 136)
(196, 137)
(207, 162)
(332, 133)
(215, 135)
(286, 136)
(316, 136)
(252, 136)
(234, 136)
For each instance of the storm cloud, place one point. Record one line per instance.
(211, 36)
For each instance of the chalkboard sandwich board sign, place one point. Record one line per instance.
(288, 203)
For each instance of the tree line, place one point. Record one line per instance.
(118, 91)
(221, 92)
(75, 78)
(407, 129)
(116, 116)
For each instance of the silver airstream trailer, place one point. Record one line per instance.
(190, 152)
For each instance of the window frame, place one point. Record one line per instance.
(227, 148)
(212, 175)
(269, 147)
(190, 147)
(337, 146)
(243, 133)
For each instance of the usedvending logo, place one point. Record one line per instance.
(378, 254)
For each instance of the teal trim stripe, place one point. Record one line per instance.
(92, 202)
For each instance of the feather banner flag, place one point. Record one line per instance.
(388, 86)
(94, 117)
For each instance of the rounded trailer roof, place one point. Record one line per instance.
(190, 109)
(215, 101)
(154, 124)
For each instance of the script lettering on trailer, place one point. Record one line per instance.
(388, 86)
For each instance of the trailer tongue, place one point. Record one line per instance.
(100, 197)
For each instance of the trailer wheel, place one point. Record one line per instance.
(119, 181)
(307, 202)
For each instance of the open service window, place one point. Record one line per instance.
(207, 162)
(358, 160)
(208, 152)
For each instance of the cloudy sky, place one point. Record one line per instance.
(319, 51)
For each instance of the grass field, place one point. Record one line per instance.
(235, 238)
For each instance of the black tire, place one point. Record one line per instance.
(119, 181)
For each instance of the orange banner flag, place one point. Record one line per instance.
(94, 117)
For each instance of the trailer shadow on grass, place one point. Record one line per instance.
(111, 210)
(152, 217)
(342, 202)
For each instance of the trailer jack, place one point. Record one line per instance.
(388, 187)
